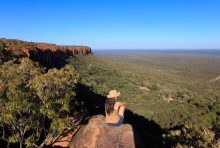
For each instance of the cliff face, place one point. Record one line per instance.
(49, 55)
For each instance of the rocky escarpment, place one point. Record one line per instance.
(49, 55)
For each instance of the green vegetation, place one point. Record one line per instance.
(13, 42)
(147, 86)
(171, 90)
(35, 104)
(190, 135)
(19, 111)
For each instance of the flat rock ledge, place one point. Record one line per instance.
(97, 134)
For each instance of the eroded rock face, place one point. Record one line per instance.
(49, 55)
(97, 134)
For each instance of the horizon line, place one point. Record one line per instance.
(156, 49)
(49, 42)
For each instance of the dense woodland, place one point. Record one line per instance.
(37, 102)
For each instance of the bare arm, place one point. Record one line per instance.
(121, 103)
(118, 105)
(121, 108)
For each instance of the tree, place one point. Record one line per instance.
(35, 104)
(19, 112)
(55, 91)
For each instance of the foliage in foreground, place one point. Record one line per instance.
(35, 104)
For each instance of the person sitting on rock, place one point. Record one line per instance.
(114, 110)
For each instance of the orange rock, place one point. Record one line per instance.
(98, 134)
(64, 141)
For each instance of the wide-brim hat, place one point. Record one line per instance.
(113, 94)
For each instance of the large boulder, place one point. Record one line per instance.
(98, 134)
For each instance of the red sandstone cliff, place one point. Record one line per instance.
(50, 55)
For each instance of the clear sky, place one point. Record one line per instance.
(114, 24)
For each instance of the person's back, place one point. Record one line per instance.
(114, 110)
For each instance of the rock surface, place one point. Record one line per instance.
(50, 55)
(97, 134)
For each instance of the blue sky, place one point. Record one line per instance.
(114, 24)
